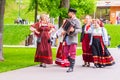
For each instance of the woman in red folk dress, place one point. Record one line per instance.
(43, 30)
(61, 58)
(85, 40)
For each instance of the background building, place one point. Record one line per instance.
(108, 10)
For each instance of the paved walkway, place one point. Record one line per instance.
(54, 72)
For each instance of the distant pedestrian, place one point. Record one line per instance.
(118, 19)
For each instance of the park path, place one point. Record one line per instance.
(54, 72)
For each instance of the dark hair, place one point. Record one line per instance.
(72, 10)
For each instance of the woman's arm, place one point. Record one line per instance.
(52, 28)
(105, 36)
(34, 27)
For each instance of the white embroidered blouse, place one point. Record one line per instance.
(100, 31)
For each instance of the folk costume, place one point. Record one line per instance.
(43, 52)
(72, 41)
(61, 58)
(86, 48)
(98, 42)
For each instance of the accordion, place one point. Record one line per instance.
(67, 25)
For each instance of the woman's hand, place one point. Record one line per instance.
(63, 43)
(63, 33)
(50, 32)
(71, 29)
(32, 29)
(37, 32)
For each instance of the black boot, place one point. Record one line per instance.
(96, 65)
(72, 62)
(68, 58)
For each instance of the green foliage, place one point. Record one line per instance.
(31, 5)
(53, 7)
(63, 12)
(16, 58)
(12, 10)
(83, 6)
(15, 34)
(49, 6)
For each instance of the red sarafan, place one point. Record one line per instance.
(61, 58)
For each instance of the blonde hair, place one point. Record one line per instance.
(87, 18)
(42, 16)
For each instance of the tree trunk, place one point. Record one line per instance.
(63, 4)
(36, 8)
(2, 8)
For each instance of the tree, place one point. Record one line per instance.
(63, 4)
(2, 8)
(34, 6)
(60, 7)
(83, 6)
(44, 6)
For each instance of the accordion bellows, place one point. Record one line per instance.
(67, 25)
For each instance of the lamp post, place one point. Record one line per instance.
(94, 16)
(19, 6)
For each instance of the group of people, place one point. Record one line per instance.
(93, 41)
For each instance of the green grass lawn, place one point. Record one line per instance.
(15, 34)
(16, 58)
(114, 31)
